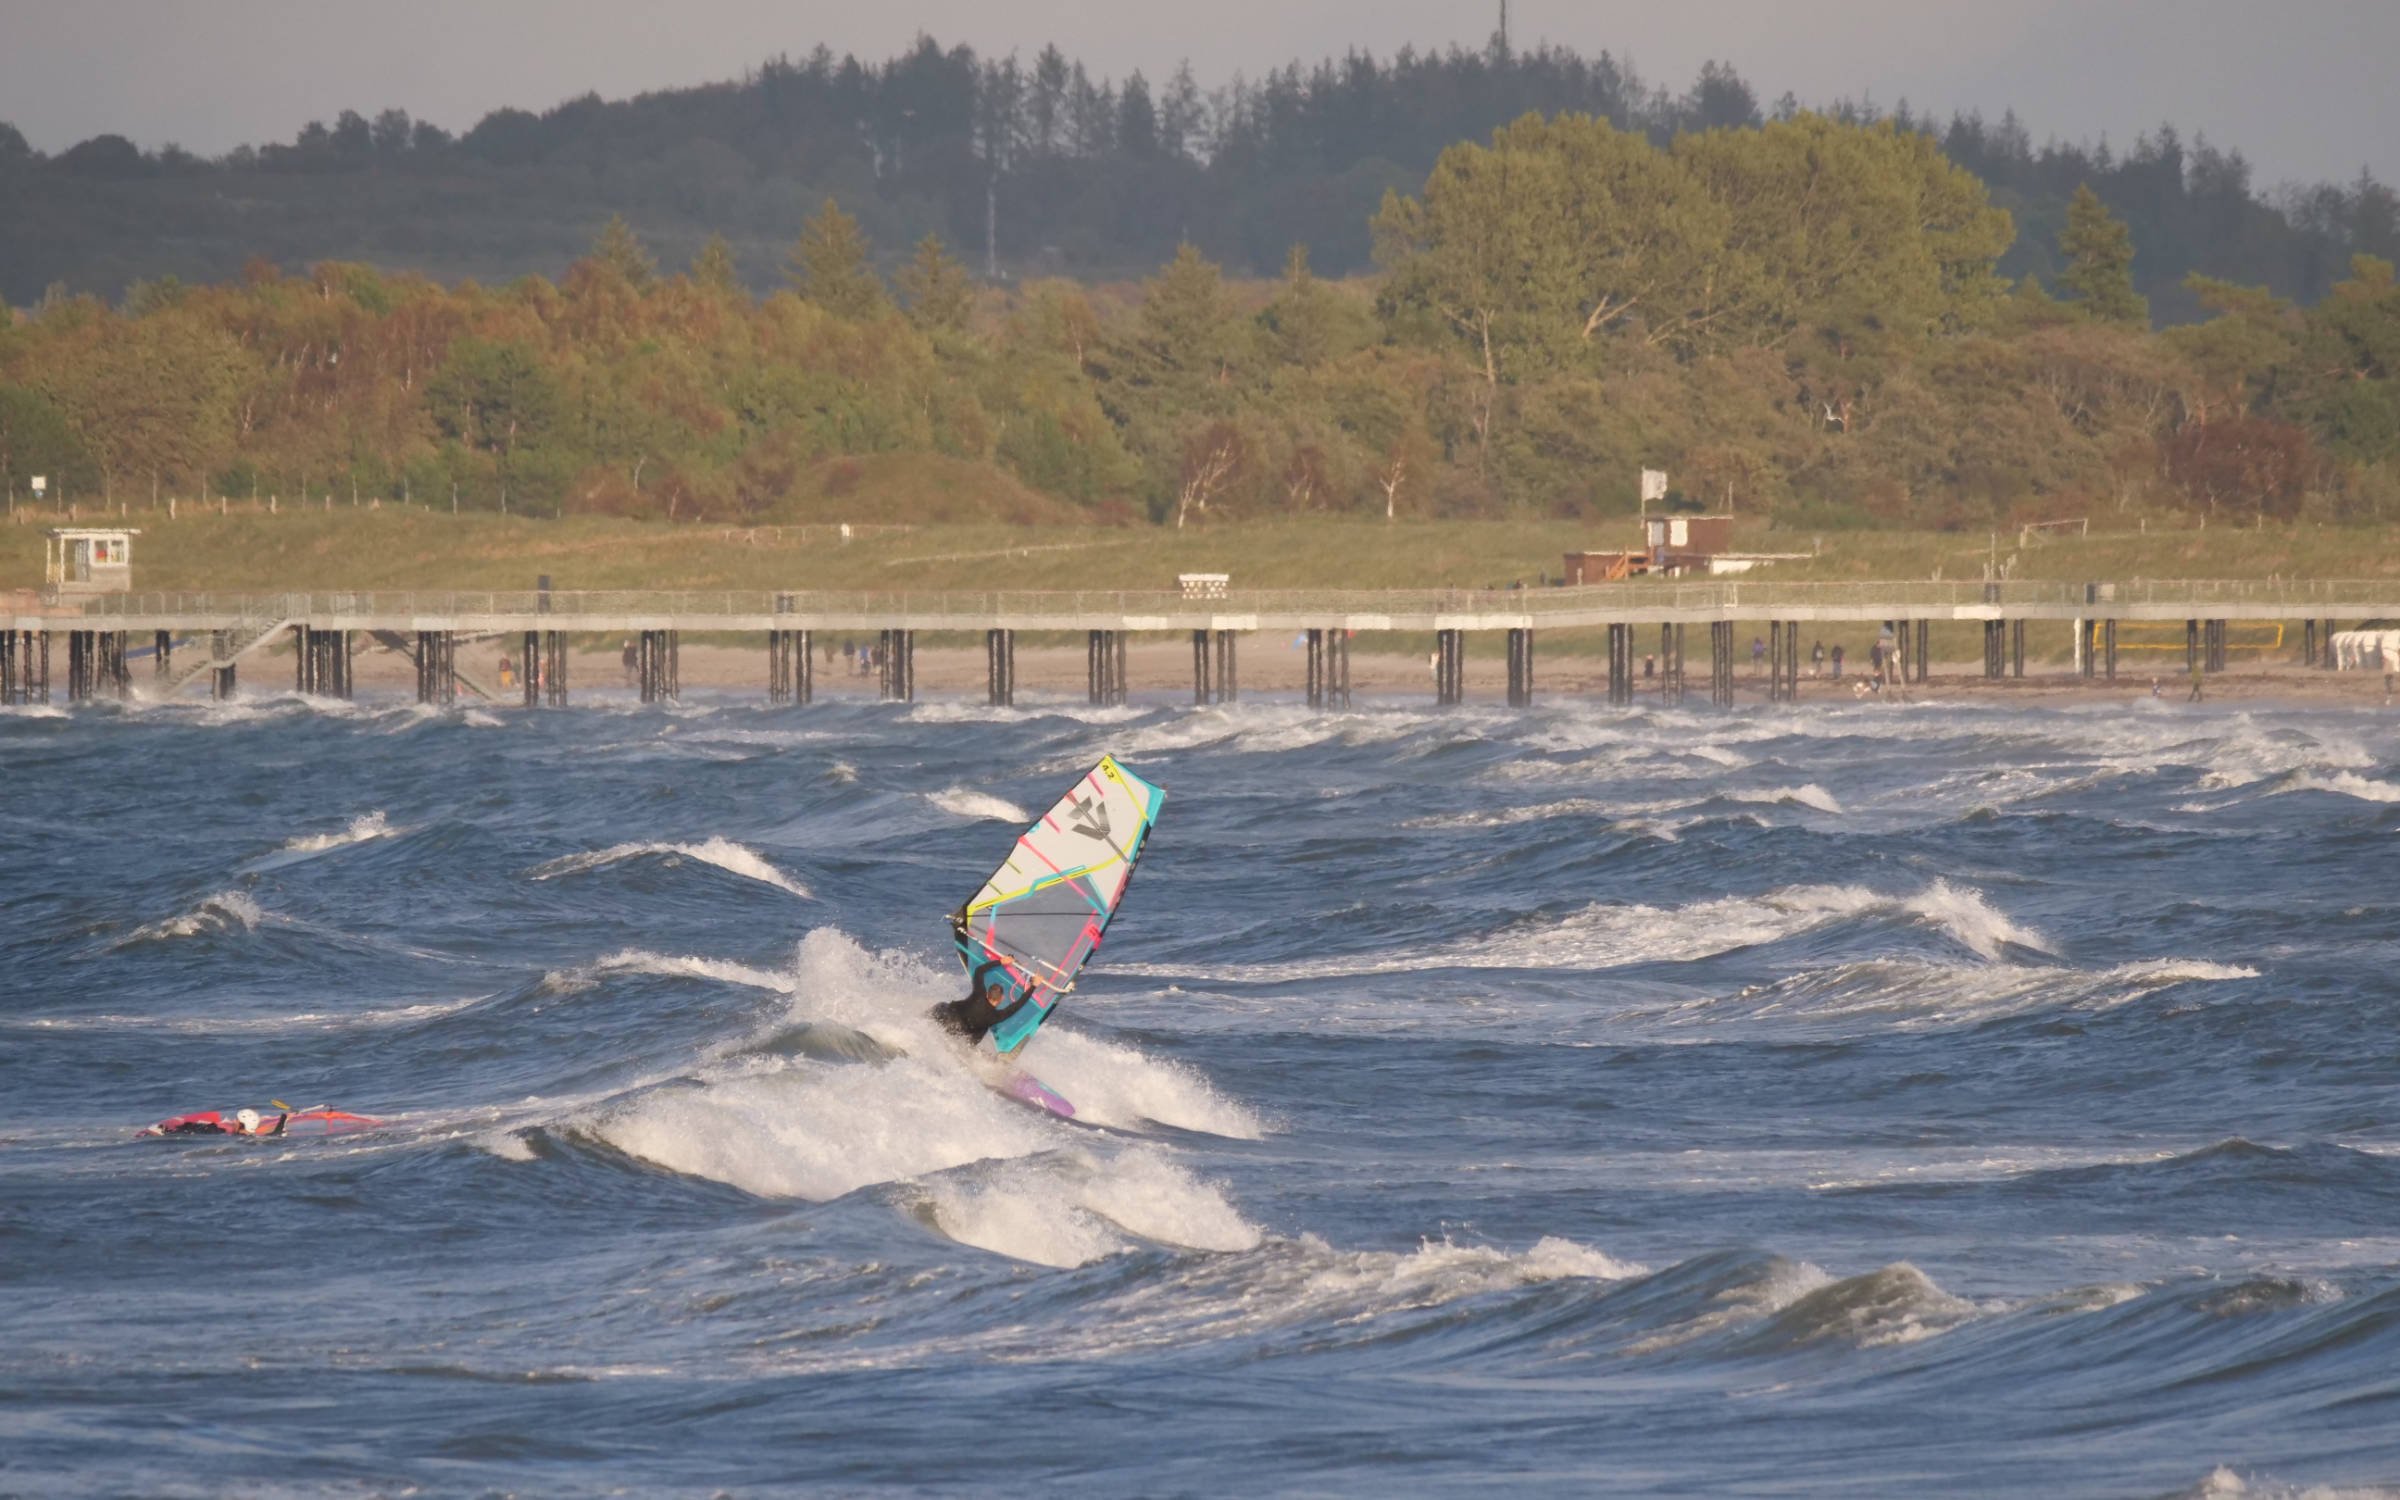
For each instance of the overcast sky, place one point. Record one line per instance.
(2304, 88)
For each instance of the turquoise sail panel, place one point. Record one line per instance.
(1042, 913)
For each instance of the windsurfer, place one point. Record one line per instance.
(241, 1122)
(985, 1005)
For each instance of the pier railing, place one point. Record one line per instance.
(1744, 599)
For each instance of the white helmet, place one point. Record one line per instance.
(248, 1120)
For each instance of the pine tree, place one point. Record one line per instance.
(936, 288)
(714, 269)
(1299, 322)
(2099, 251)
(619, 249)
(831, 267)
(1188, 331)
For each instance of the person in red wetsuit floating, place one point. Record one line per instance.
(243, 1122)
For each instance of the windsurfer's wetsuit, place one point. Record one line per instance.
(976, 1015)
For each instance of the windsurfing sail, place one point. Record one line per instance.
(1041, 914)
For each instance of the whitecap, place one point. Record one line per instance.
(725, 854)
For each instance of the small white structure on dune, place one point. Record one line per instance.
(90, 559)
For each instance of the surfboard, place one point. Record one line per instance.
(1030, 1091)
(1041, 914)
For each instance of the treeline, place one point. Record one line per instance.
(1039, 168)
(1806, 320)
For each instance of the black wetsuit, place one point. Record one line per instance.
(975, 1016)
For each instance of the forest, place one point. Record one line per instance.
(1036, 168)
(1807, 320)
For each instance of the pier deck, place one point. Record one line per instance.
(426, 626)
(1636, 603)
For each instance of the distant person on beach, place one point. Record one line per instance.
(849, 656)
(1649, 666)
(1758, 654)
(1837, 661)
(631, 663)
(2198, 678)
(2157, 689)
(1816, 660)
(508, 671)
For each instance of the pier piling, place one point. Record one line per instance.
(437, 668)
(1104, 667)
(1720, 663)
(1316, 667)
(791, 668)
(221, 673)
(1520, 666)
(897, 653)
(1000, 667)
(1229, 687)
(1449, 667)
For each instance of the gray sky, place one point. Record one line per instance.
(2302, 88)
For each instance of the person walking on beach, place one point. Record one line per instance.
(1837, 661)
(2197, 680)
(1816, 660)
(1758, 654)
(631, 663)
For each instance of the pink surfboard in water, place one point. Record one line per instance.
(1027, 1089)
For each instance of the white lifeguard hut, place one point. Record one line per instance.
(90, 560)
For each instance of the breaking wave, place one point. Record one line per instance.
(723, 853)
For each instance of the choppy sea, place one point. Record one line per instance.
(1864, 1100)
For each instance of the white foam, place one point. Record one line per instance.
(965, 802)
(687, 966)
(1966, 916)
(1605, 936)
(811, 1131)
(1540, 812)
(307, 1020)
(1897, 1304)
(2345, 784)
(476, 718)
(724, 853)
(508, 1145)
(985, 1170)
(1112, 1084)
(221, 912)
(1810, 795)
(1072, 1208)
(2225, 1484)
(365, 826)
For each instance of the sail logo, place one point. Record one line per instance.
(1090, 819)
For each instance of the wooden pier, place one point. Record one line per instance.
(223, 631)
